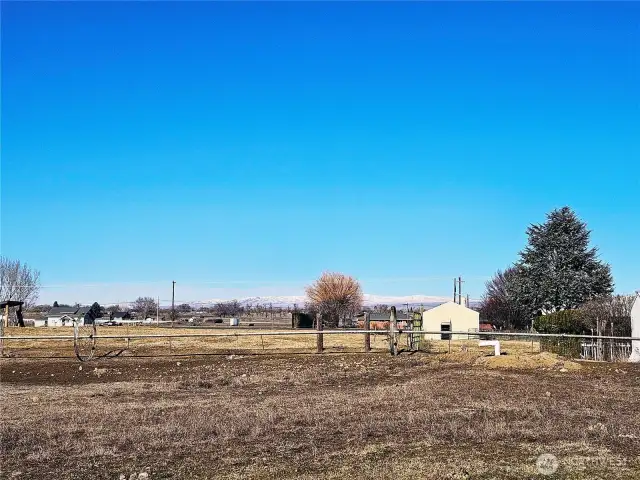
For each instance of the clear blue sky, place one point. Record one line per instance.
(203, 141)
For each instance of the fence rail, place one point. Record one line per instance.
(588, 347)
(323, 332)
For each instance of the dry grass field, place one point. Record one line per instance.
(458, 415)
(260, 343)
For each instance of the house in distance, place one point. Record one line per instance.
(120, 316)
(65, 316)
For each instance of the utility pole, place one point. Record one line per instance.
(158, 312)
(455, 294)
(173, 302)
(467, 305)
(459, 290)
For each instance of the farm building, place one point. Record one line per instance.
(64, 316)
(119, 316)
(451, 317)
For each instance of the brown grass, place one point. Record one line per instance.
(302, 343)
(310, 416)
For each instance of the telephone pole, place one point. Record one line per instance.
(173, 302)
(459, 290)
(455, 294)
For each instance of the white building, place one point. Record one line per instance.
(64, 316)
(450, 317)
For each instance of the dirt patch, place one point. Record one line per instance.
(544, 360)
(314, 417)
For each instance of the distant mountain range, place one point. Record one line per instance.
(369, 300)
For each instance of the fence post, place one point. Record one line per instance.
(319, 341)
(367, 336)
(393, 332)
(2, 335)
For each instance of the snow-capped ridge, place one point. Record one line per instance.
(369, 300)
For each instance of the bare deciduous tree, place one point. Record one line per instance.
(335, 296)
(18, 281)
(228, 309)
(113, 308)
(145, 306)
(381, 308)
(184, 308)
(500, 303)
(608, 315)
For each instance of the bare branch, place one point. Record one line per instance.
(335, 296)
(18, 281)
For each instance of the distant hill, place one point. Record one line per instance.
(283, 301)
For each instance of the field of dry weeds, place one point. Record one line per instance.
(260, 342)
(431, 416)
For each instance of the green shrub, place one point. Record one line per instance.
(564, 321)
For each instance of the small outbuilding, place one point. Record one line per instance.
(450, 317)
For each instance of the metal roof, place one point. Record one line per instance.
(62, 311)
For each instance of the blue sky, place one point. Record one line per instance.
(402, 143)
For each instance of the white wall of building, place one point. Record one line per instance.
(461, 319)
(57, 321)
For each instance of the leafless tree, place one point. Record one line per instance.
(144, 306)
(335, 296)
(381, 308)
(184, 308)
(228, 309)
(608, 315)
(500, 302)
(18, 281)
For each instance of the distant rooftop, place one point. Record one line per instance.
(62, 311)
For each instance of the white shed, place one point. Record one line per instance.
(451, 317)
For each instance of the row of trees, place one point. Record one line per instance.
(335, 296)
(557, 270)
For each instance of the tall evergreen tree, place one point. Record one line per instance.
(558, 269)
